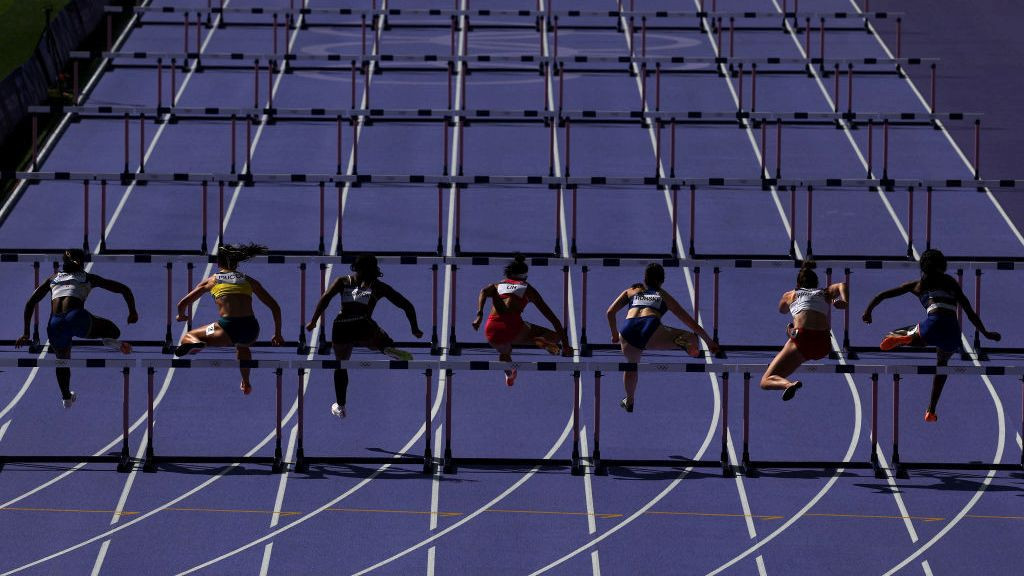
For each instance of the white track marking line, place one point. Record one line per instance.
(275, 518)
(435, 485)
(3, 430)
(100, 558)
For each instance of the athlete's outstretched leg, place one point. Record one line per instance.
(244, 354)
(630, 378)
(212, 334)
(785, 363)
(938, 383)
(108, 332)
(342, 352)
(64, 378)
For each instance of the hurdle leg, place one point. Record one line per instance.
(150, 464)
(600, 468)
(901, 472)
(429, 467)
(577, 465)
(875, 464)
(125, 463)
(279, 465)
(301, 465)
(745, 465)
(450, 466)
(168, 339)
(727, 470)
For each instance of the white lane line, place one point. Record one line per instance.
(3, 430)
(99, 558)
(595, 557)
(435, 485)
(275, 518)
(927, 568)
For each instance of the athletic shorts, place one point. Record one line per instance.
(941, 331)
(360, 331)
(74, 323)
(501, 330)
(811, 343)
(637, 331)
(242, 330)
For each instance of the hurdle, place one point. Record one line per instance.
(123, 457)
(153, 461)
(601, 464)
(303, 461)
(450, 464)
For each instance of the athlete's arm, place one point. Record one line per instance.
(683, 315)
(403, 304)
(885, 295)
(961, 299)
(618, 304)
(534, 296)
(840, 294)
(197, 292)
(489, 291)
(787, 299)
(275, 309)
(35, 298)
(117, 288)
(325, 299)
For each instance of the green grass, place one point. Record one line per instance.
(21, 26)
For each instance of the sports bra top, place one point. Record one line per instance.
(229, 283)
(356, 294)
(809, 299)
(649, 299)
(938, 299)
(74, 284)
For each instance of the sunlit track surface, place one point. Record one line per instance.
(515, 519)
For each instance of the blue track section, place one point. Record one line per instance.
(510, 517)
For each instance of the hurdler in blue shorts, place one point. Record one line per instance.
(940, 294)
(69, 319)
(643, 329)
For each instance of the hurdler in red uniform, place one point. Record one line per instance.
(505, 325)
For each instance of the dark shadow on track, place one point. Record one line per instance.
(956, 482)
(354, 471)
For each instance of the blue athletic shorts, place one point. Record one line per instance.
(941, 331)
(638, 331)
(62, 328)
(243, 330)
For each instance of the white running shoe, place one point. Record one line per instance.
(397, 354)
(70, 401)
(338, 410)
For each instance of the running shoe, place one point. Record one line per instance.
(246, 388)
(626, 405)
(898, 337)
(397, 354)
(790, 392)
(117, 345)
(931, 417)
(510, 377)
(188, 348)
(688, 345)
(69, 401)
(338, 410)
(551, 347)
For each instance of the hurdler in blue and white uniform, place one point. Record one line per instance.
(643, 329)
(69, 319)
(940, 294)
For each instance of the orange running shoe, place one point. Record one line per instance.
(510, 377)
(898, 337)
(931, 417)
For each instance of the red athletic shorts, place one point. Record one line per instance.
(812, 344)
(503, 329)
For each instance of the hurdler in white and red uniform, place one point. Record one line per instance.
(505, 325)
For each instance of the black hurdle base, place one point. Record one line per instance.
(450, 465)
(903, 468)
(750, 468)
(601, 465)
(277, 464)
(302, 462)
(123, 460)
